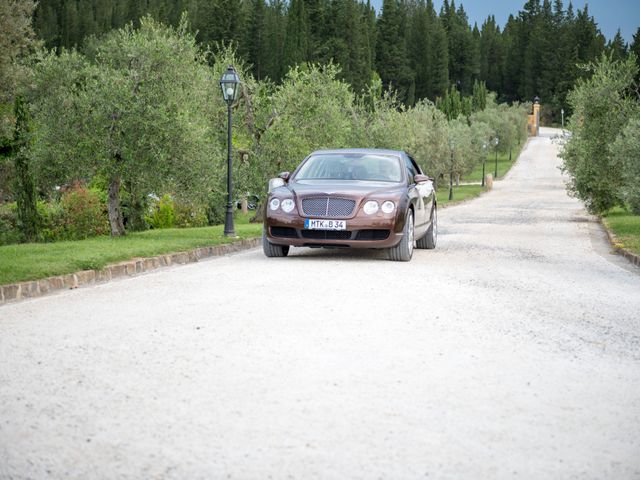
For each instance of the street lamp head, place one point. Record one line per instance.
(230, 85)
(536, 99)
(496, 141)
(484, 145)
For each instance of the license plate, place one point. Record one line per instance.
(310, 224)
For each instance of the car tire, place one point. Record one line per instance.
(404, 250)
(429, 240)
(272, 250)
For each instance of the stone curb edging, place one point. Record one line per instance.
(615, 243)
(128, 268)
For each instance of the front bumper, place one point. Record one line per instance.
(363, 231)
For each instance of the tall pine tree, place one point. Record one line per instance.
(392, 63)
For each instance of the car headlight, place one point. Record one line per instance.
(287, 205)
(370, 207)
(274, 204)
(388, 206)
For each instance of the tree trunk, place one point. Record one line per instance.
(258, 217)
(115, 212)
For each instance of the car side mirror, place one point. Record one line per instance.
(284, 176)
(419, 178)
(275, 183)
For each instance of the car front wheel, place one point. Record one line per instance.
(272, 250)
(404, 250)
(431, 237)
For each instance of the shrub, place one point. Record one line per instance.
(216, 207)
(51, 221)
(189, 214)
(84, 214)
(163, 213)
(9, 232)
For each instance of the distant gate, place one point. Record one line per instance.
(534, 120)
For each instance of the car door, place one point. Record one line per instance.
(425, 193)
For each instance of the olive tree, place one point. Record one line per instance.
(461, 152)
(420, 130)
(602, 105)
(135, 111)
(625, 153)
(311, 110)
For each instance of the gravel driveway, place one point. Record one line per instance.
(511, 351)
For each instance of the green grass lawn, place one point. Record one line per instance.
(626, 228)
(32, 261)
(503, 165)
(463, 192)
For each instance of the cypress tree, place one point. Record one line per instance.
(256, 39)
(24, 185)
(634, 49)
(617, 47)
(491, 56)
(103, 15)
(438, 55)
(318, 22)
(511, 76)
(635, 45)
(348, 43)
(69, 27)
(296, 49)
(86, 20)
(220, 21)
(391, 56)
(275, 26)
(47, 24)
(479, 99)
(463, 49)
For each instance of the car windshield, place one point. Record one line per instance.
(360, 166)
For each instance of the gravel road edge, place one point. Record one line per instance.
(129, 268)
(617, 247)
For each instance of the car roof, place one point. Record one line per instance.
(380, 151)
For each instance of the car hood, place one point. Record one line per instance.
(352, 189)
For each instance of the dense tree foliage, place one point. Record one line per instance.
(412, 47)
(601, 155)
(133, 112)
(16, 37)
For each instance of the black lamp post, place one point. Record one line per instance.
(496, 141)
(451, 146)
(230, 83)
(484, 160)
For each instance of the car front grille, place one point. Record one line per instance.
(326, 234)
(328, 207)
(372, 235)
(284, 232)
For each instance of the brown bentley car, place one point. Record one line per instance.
(352, 198)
